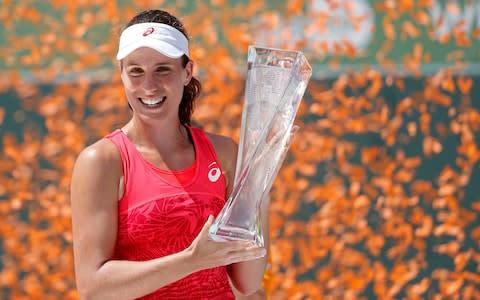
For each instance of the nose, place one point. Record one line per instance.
(150, 83)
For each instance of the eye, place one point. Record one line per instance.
(135, 71)
(163, 70)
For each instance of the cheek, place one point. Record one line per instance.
(173, 84)
(130, 84)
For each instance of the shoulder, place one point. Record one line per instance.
(95, 179)
(102, 151)
(226, 150)
(102, 156)
(225, 147)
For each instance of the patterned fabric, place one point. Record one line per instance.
(161, 212)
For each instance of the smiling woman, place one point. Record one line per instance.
(154, 82)
(144, 196)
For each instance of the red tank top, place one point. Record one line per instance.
(161, 212)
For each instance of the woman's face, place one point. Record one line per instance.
(154, 83)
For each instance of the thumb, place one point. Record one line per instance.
(294, 130)
(207, 224)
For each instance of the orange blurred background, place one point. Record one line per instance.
(379, 195)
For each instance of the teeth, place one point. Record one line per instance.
(152, 101)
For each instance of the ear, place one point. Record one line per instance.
(188, 73)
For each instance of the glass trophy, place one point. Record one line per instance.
(276, 80)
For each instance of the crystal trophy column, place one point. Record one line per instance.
(276, 80)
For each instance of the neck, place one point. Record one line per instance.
(165, 136)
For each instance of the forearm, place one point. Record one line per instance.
(117, 279)
(247, 276)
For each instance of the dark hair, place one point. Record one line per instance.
(190, 91)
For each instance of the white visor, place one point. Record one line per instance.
(160, 37)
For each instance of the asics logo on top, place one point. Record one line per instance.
(149, 31)
(214, 173)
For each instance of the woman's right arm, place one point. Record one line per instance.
(94, 198)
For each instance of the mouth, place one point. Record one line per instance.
(153, 102)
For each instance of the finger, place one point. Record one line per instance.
(210, 220)
(207, 225)
(233, 246)
(247, 255)
(258, 252)
(253, 249)
(294, 131)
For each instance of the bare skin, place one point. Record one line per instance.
(97, 185)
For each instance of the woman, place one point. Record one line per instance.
(144, 197)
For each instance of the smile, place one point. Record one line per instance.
(153, 102)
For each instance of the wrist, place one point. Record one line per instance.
(188, 259)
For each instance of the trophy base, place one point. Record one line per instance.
(230, 233)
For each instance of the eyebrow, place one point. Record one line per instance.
(134, 63)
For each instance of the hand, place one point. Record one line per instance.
(207, 253)
(293, 132)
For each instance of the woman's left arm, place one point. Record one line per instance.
(245, 276)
